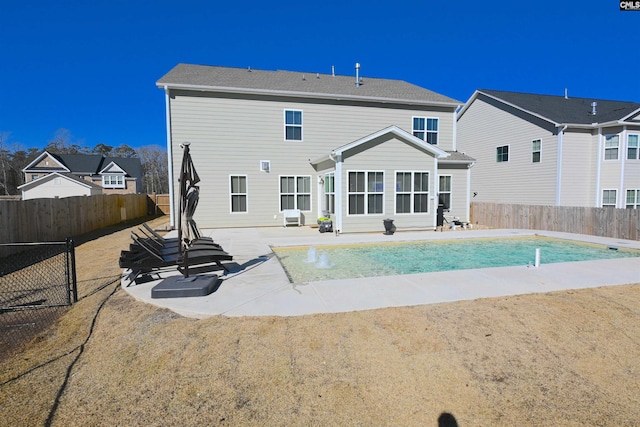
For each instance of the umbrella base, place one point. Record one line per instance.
(181, 287)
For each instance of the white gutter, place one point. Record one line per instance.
(598, 168)
(622, 197)
(172, 214)
(559, 166)
(297, 94)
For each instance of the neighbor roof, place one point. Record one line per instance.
(561, 110)
(289, 83)
(89, 164)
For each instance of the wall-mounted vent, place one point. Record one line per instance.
(265, 165)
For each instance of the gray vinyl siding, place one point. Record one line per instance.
(459, 192)
(483, 128)
(389, 156)
(231, 135)
(579, 168)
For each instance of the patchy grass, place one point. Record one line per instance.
(563, 358)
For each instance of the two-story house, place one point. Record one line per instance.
(552, 150)
(362, 149)
(65, 175)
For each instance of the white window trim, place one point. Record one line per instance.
(637, 147)
(449, 192)
(412, 192)
(366, 193)
(604, 154)
(301, 125)
(245, 194)
(615, 204)
(536, 151)
(508, 155)
(295, 193)
(329, 193)
(120, 181)
(637, 202)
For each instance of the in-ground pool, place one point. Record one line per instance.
(309, 263)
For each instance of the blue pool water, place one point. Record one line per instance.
(307, 264)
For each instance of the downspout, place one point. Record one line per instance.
(622, 198)
(559, 166)
(455, 127)
(436, 191)
(468, 205)
(598, 168)
(172, 214)
(337, 183)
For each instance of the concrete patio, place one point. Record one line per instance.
(258, 286)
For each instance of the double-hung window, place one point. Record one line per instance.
(502, 154)
(611, 146)
(293, 125)
(426, 128)
(238, 193)
(412, 192)
(633, 147)
(633, 199)
(329, 193)
(113, 181)
(295, 192)
(608, 198)
(536, 149)
(366, 192)
(444, 189)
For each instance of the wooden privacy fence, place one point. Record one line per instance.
(606, 222)
(49, 220)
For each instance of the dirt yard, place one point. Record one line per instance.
(559, 359)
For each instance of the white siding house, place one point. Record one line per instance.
(266, 141)
(58, 185)
(551, 150)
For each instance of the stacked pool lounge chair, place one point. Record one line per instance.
(151, 253)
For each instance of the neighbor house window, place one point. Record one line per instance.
(293, 125)
(608, 198)
(295, 192)
(412, 192)
(238, 192)
(502, 154)
(611, 145)
(426, 128)
(633, 147)
(113, 181)
(536, 146)
(633, 199)
(366, 193)
(34, 177)
(329, 193)
(444, 191)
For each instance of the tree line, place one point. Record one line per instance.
(14, 157)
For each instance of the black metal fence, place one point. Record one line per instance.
(36, 286)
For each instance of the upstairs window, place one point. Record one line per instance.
(632, 147)
(611, 146)
(112, 181)
(536, 146)
(502, 154)
(293, 125)
(426, 128)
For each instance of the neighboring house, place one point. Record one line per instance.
(58, 185)
(264, 142)
(114, 175)
(552, 150)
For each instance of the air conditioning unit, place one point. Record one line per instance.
(265, 165)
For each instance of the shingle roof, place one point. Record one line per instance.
(299, 84)
(91, 164)
(566, 110)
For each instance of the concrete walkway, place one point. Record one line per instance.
(258, 286)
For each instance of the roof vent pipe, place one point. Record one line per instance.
(594, 104)
(357, 74)
(566, 93)
(333, 71)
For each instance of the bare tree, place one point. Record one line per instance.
(4, 163)
(155, 167)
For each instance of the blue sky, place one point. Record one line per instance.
(91, 66)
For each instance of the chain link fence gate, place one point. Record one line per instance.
(37, 284)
